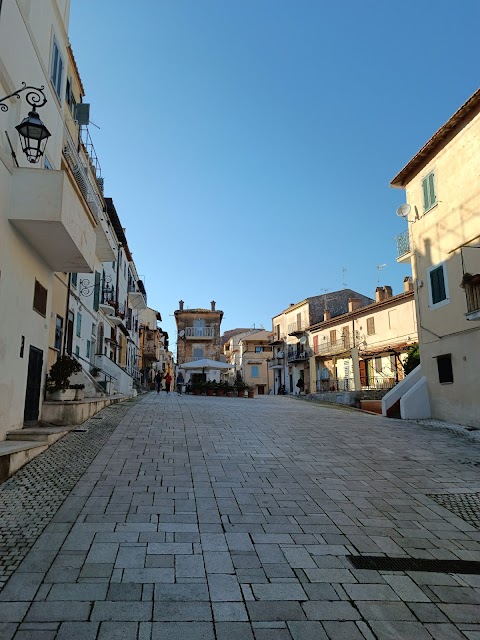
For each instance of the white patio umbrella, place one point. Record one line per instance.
(204, 365)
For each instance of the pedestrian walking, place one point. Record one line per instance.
(180, 382)
(300, 385)
(158, 381)
(168, 382)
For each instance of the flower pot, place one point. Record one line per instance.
(63, 395)
(196, 392)
(241, 393)
(251, 394)
(229, 394)
(220, 392)
(209, 392)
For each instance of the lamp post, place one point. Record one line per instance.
(33, 133)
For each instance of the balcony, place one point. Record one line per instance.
(81, 168)
(297, 328)
(298, 356)
(47, 212)
(136, 300)
(276, 363)
(403, 246)
(472, 294)
(199, 333)
(335, 347)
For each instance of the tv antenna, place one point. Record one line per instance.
(380, 267)
(344, 271)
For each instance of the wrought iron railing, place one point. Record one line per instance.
(403, 244)
(296, 355)
(333, 347)
(297, 326)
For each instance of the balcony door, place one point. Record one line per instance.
(199, 326)
(34, 385)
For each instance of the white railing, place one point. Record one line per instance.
(199, 332)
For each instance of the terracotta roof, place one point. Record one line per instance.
(466, 113)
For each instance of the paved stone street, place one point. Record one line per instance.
(233, 519)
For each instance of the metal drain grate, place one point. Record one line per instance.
(378, 563)
(463, 505)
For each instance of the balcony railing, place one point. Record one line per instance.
(298, 356)
(82, 171)
(333, 347)
(472, 293)
(199, 332)
(335, 384)
(297, 327)
(403, 244)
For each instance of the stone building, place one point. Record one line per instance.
(198, 334)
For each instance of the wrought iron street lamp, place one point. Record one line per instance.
(33, 133)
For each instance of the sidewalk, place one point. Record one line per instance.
(186, 517)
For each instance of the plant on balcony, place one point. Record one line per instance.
(58, 379)
(470, 279)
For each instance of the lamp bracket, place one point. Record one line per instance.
(35, 96)
(86, 289)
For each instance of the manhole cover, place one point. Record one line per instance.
(463, 505)
(378, 563)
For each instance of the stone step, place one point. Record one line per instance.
(14, 454)
(49, 435)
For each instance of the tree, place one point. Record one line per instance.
(413, 358)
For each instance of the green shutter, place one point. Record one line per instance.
(425, 194)
(437, 283)
(431, 189)
(96, 291)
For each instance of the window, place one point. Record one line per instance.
(370, 326)
(277, 331)
(74, 279)
(79, 324)
(96, 291)
(56, 75)
(87, 351)
(77, 351)
(333, 336)
(392, 319)
(254, 373)
(445, 371)
(58, 333)
(315, 344)
(258, 349)
(197, 353)
(378, 365)
(429, 195)
(438, 285)
(69, 97)
(40, 299)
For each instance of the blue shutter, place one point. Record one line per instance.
(255, 372)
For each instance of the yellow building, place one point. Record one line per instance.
(255, 354)
(441, 184)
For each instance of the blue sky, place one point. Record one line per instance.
(248, 145)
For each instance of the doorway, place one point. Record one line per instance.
(34, 385)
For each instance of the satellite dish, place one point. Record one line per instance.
(303, 340)
(181, 333)
(403, 210)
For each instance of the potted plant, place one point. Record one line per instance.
(228, 389)
(221, 390)
(470, 279)
(58, 379)
(250, 391)
(240, 386)
(79, 391)
(210, 387)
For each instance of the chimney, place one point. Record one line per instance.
(407, 284)
(379, 294)
(213, 303)
(180, 305)
(327, 315)
(354, 303)
(388, 292)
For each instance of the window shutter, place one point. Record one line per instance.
(431, 190)
(315, 344)
(96, 291)
(370, 326)
(426, 200)
(437, 284)
(40, 299)
(79, 324)
(53, 76)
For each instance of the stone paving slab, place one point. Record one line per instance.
(208, 518)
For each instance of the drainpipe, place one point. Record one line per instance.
(68, 295)
(115, 351)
